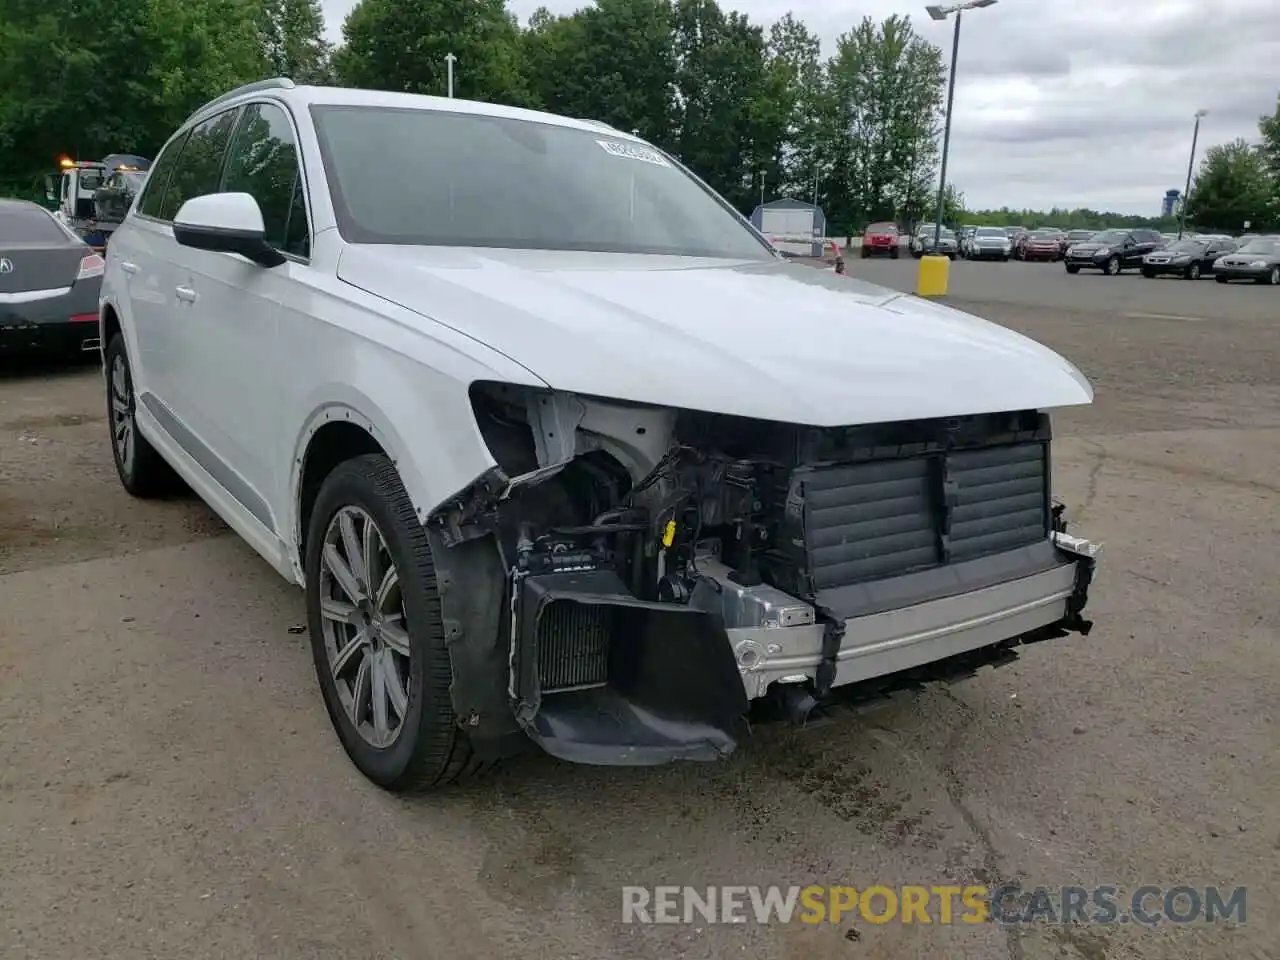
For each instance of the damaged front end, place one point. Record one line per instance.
(628, 579)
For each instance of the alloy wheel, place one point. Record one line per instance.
(1194, 271)
(363, 622)
(1275, 276)
(123, 428)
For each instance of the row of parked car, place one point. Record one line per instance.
(1254, 257)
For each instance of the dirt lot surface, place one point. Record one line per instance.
(170, 786)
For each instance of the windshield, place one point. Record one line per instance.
(882, 228)
(1186, 246)
(1110, 236)
(990, 232)
(476, 181)
(1261, 245)
(133, 181)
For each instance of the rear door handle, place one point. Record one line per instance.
(186, 294)
(129, 268)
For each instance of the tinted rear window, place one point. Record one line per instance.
(29, 225)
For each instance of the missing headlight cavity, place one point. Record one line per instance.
(657, 560)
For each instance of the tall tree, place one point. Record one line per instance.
(292, 37)
(402, 44)
(1232, 186)
(886, 94)
(1269, 127)
(611, 62)
(795, 87)
(72, 81)
(720, 77)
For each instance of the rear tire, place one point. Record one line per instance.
(1221, 279)
(391, 631)
(865, 253)
(893, 253)
(142, 471)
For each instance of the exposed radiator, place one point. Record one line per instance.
(573, 646)
(883, 518)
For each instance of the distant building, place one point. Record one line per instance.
(792, 226)
(1170, 203)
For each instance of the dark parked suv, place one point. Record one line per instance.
(1112, 251)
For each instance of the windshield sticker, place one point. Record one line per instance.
(633, 152)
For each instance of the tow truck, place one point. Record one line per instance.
(92, 196)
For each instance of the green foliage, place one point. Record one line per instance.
(402, 45)
(611, 62)
(885, 107)
(1081, 218)
(92, 77)
(291, 33)
(1233, 185)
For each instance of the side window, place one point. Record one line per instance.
(264, 164)
(200, 163)
(153, 193)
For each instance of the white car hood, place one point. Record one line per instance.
(773, 340)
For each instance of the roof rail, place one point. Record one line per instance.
(596, 123)
(275, 83)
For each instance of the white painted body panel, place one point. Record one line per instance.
(774, 341)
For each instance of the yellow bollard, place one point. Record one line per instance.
(932, 279)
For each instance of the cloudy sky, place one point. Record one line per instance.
(1069, 102)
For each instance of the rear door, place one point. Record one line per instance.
(40, 264)
(134, 267)
(163, 292)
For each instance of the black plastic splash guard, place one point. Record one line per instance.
(669, 688)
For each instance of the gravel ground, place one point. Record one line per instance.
(169, 784)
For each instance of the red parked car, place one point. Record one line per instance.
(880, 238)
(1043, 245)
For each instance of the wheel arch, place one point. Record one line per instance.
(432, 455)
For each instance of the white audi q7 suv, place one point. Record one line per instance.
(560, 449)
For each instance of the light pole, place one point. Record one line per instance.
(938, 12)
(1186, 194)
(450, 60)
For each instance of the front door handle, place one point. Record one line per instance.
(129, 268)
(186, 294)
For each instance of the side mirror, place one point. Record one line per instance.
(226, 223)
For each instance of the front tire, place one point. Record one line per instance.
(1072, 268)
(141, 469)
(1193, 272)
(1149, 274)
(1273, 278)
(1112, 268)
(377, 633)
(1220, 279)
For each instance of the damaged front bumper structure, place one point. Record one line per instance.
(601, 677)
(824, 582)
